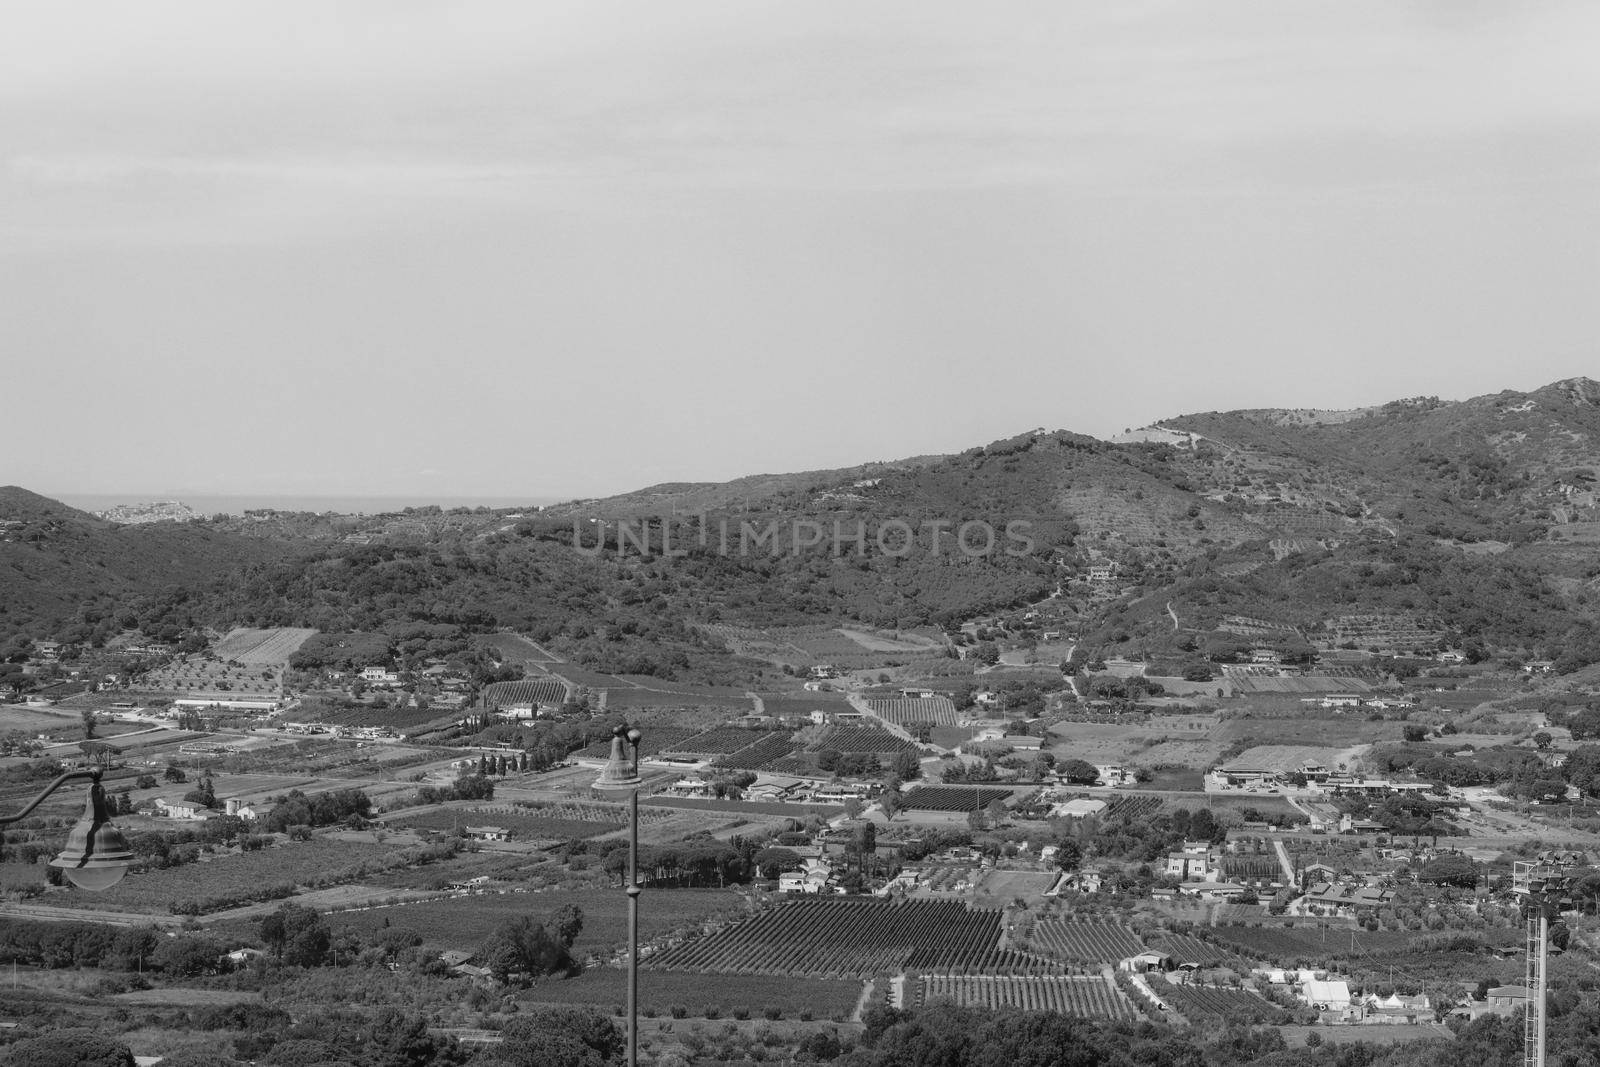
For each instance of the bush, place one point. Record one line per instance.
(70, 1048)
(772, 1011)
(678, 1011)
(741, 1012)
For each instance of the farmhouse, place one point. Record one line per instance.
(812, 878)
(379, 676)
(1342, 700)
(181, 809)
(488, 833)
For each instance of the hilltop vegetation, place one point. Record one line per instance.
(1474, 513)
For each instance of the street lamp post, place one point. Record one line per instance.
(96, 856)
(621, 774)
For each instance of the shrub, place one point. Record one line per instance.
(678, 1011)
(741, 1012)
(772, 1011)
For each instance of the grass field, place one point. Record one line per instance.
(465, 922)
(619, 699)
(154, 892)
(660, 991)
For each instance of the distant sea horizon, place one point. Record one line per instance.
(343, 504)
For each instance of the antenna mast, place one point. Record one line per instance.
(1544, 885)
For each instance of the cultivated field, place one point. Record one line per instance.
(853, 938)
(953, 798)
(267, 648)
(1285, 758)
(236, 875)
(901, 710)
(528, 691)
(1078, 941)
(864, 739)
(701, 994)
(466, 922)
(1091, 996)
(1202, 1003)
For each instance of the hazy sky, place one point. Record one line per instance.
(569, 249)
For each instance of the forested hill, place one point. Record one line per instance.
(64, 571)
(1478, 518)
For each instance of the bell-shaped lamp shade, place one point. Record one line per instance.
(620, 774)
(96, 856)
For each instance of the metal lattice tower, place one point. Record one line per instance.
(1544, 885)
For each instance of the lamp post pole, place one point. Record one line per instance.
(633, 916)
(622, 773)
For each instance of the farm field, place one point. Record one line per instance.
(1098, 742)
(524, 692)
(401, 720)
(625, 699)
(1185, 948)
(864, 739)
(655, 740)
(740, 808)
(1079, 941)
(797, 706)
(719, 741)
(153, 892)
(954, 798)
(1285, 945)
(514, 648)
(853, 938)
(907, 641)
(1299, 726)
(1141, 806)
(1187, 753)
(1306, 685)
(762, 755)
(1091, 996)
(37, 720)
(659, 991)
(1201, 1003)
(465, 922)
(901, 710)
(254, 647)
(1285, 758)
(558, 822)
(983, 888)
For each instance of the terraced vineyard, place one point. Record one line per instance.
(854, 938)
(526, 691)
(1085, 942)
(901, 710)
(1197, 1003)
(1091, 996)
(953, 797)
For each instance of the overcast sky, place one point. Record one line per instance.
(569, 249)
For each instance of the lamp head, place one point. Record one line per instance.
(96, 855)
(620, 774)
